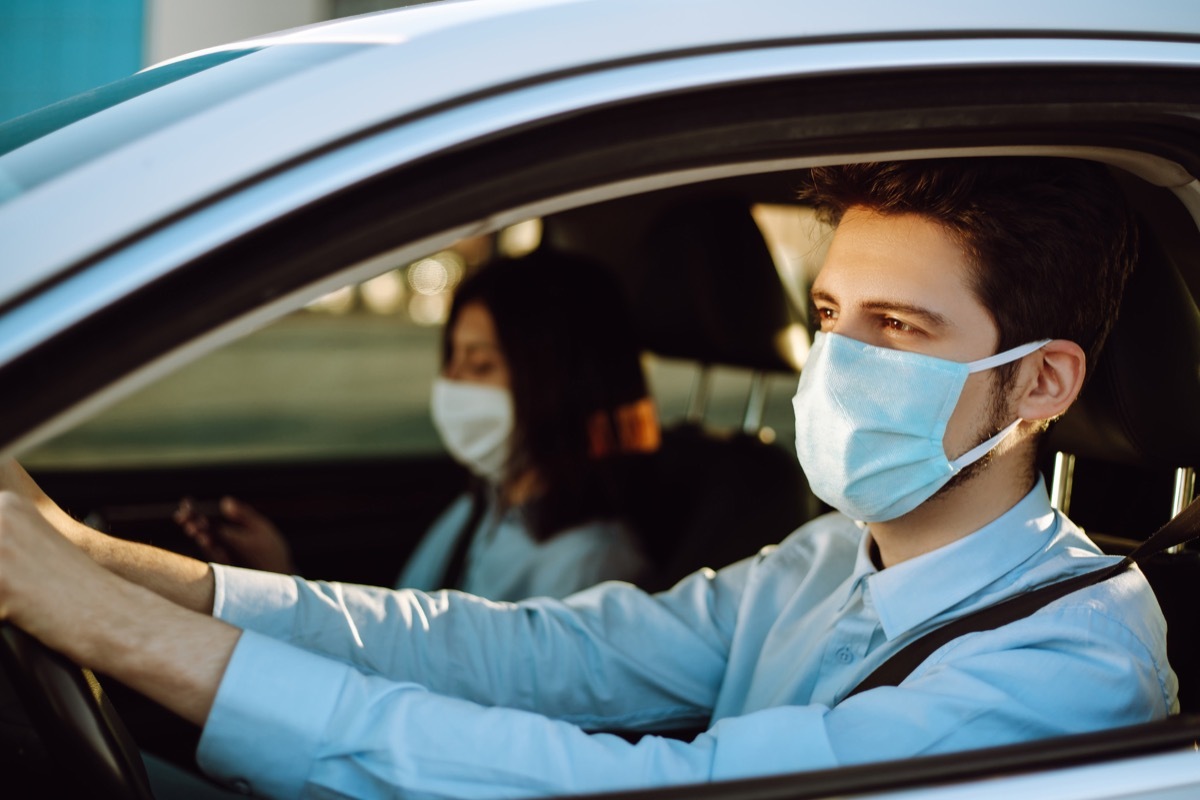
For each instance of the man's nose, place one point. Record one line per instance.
(853, 327)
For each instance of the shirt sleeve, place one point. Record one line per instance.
(587, 659)
(335, 731)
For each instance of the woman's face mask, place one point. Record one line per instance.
(870, 423)
(472, 405)
(475, 422)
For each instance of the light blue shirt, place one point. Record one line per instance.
(338, 689)
(505, 563)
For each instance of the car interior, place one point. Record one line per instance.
(1131, 442)
(709, 292)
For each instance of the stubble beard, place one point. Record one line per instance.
(1000, 416)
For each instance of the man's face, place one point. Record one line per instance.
(900, 281)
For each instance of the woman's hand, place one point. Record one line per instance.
(239, 536)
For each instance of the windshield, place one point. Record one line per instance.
(39, 146)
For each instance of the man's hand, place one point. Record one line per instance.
(14, 478)
(55, 592)
(35, 563)
(182, 580)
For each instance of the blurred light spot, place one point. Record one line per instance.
(438, 273)
(794, 342)
(339, 301)
(384, 294)
(520, 239)
(455, 266)
(429, 309)
(428, 277)
(766, 435)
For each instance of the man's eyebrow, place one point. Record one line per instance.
(820, 294)
(927, 315)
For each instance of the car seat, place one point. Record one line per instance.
(1137, 421)
(704, 288)
(711, 294)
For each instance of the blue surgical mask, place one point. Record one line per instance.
(870, 423)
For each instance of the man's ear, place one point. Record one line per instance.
(1050, 380)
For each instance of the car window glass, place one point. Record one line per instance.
(349, 376)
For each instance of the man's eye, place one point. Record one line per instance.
(899, 326)
(825, 315)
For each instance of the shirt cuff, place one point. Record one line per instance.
(271, 692)
(254, 599)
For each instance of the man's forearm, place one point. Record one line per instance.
(182, 580)
(172, 655)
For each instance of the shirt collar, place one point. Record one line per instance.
(951, 574)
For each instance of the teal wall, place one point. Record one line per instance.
(52, 49)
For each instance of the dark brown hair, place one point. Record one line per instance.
(1050, 241)
(565, 329)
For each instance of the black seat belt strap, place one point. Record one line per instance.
(1181, 528)
(456, 567)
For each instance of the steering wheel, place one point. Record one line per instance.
(77, 723)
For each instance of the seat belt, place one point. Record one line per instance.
(456, 567)
(1181, 528)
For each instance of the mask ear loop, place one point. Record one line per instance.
(991, 362)
(1020, 351)
(980, 450)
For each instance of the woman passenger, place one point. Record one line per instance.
(542, 397)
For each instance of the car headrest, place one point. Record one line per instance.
(710, 290)
(1142, 405)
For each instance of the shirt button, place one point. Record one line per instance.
(844, 655)
(241, 786)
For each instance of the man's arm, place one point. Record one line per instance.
(282, 717)
(1072, 668)
(609, 657)
(182, 580)
(49, 588)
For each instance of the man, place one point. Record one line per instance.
(960, 306)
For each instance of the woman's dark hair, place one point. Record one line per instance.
(574, 366)
(1051, 240)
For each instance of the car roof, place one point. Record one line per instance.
(357, 75)
(603, 30)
